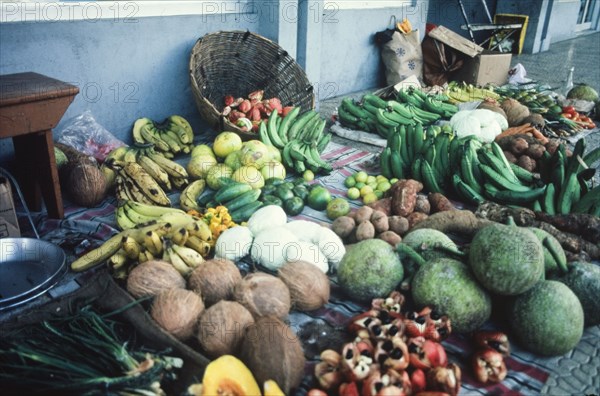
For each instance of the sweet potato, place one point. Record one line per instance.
(363, 214)
(526, 162)
(398, 224)
(422, 204)
(382, 205)
(365, 230)
(415, 218)
(462, 222)
(536, 151)
(404, 198)
(390, 237)
(439, 203)
(551, 146)
(343, 226)
(519, 146)
(380, 221)
(510, 157)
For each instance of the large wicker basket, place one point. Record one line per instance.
(238, 63)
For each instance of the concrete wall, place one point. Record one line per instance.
(124, 70)
(563, 19)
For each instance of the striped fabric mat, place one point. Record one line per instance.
(82, 229)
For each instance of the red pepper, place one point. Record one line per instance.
(569, 109)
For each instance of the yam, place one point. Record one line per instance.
(415, 218)
(365, 230)
(519, 146)
(398, 224)
(363, 213)
(439, 203)
(404, 197)
(422, 204)
(527, 163)
(382, 205)
(380, 221)
(536, 151)
(390, 237)
(343, 226)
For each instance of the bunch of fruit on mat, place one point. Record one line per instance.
(172, 136)
(410, 107)
(367, 188)
(300, 137)
(170, 235)
(475, 171)
(142, 174)
(249, 113)
(460, 92)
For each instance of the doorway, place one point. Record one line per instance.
(586, 10)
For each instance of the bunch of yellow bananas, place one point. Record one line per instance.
(171, 136)
(176, 237)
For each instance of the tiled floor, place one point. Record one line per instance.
(552, 68)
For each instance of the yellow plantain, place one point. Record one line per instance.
(178, 263)
(171, 167)
(198, 245)
(118, 260)
(152, 210)
(131, 247)
(123, 221)
(189, 196)
(180, 236)
(155, 171)
(191, 257)
(146, 183)
(153, 243)
(99, 255)
(200, 230)
(136, 217)
(150, 135)
(185, 125)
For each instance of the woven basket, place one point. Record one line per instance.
(237, 63)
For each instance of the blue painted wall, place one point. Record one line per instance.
(124, 70)
(563, 19)
(449, 14)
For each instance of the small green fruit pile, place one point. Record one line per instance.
(366, 187)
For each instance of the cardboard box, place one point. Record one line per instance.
(9, 225)
(489, 67)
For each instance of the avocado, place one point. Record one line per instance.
(370, 269)
(584, 280)
(450, 287)
(506, 259)
(547, 319)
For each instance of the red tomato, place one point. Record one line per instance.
(567, 115)
(569, 109)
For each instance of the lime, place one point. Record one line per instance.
(361, 177)
(359, 185)
(350, 181)
(371, 179)
(353, 193)
(381, 178)
(383, 186)
(308, 175)
(393, 181)
(318, 198)
(378, 193)
(373, 186)
(337, 207)
(366, 190)
(369, 198)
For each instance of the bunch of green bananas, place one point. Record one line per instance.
(300, 137)
(412, 106)
(462, 92)
(175, 237)
(172, 136)
(141, 174)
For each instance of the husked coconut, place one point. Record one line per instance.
(272, 351)
(152, 277)
(221, 328)
(308, 285)
(215, 280)
(263, 294)
(177, 311)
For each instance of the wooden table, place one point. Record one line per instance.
(31, 105)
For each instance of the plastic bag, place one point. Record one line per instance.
(517, 75)
(86, 135)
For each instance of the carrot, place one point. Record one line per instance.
(539, 136)
(520, 130)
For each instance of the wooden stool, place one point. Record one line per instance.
(30, 106)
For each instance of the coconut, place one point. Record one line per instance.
(263, 294)
(221, 328)
(152, 277)
(177, 311)
(86, 185)
(308, 285)
(272, 351)
(215, 280)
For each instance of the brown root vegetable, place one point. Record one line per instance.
(352, 214)
(526, 162)
(272, 351)
(423, 204)
(415, 218)
(390, 237)
(515, 111)
(177, 311)
(439, 203)
(365, 230)
(309, 287)
(215, 280)
(462, 222)
(552, 146)
(404, 198)
(343, 226)
(510, 157)
(398, 224)
(152, 277)
(536, 151)
(519, 146)
(221, 328)
(382, 205)
(263, 294)
(363, 213)
(380, 221)
(492, 105)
